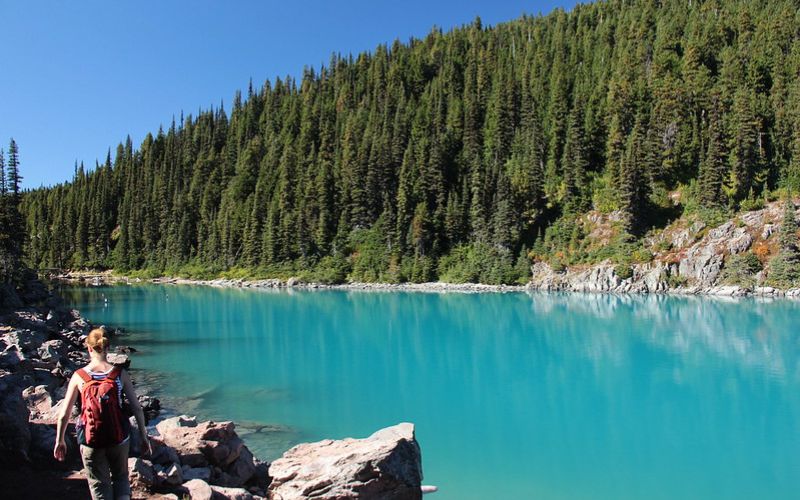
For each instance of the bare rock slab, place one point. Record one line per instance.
(386, 465)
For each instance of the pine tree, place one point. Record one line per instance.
(784, 268)
(14, 178)
(634, 184)
(575, 164)
(714, 168)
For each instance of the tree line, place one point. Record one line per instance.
(456, 156)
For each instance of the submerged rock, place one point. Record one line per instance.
(386, 465)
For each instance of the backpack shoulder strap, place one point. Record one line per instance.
(83, 375)
(114, 373)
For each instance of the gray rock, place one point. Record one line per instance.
(701, 264)
(740, 241)
(727, 291)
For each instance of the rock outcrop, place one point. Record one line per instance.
(645, 278)
(385, 465)
(688, 258)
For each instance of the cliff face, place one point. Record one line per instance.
(687, 257)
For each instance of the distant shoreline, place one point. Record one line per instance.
(107, 277)
(575, 282)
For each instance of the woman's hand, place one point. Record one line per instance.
(147, 449)
(60, 450)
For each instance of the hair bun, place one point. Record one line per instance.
(97, 340)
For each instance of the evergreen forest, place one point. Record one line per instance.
(462, 156)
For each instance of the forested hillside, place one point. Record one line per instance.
(461, 156)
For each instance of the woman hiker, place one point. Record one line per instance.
(103, 429)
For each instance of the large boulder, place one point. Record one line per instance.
(386, 465)
(209, 444)
(201, 444)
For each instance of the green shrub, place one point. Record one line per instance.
(369, 258)
(784, 270)
(330, 270)
(676, 281)
(481, 263)
(741, 269)
(624, 271)
(605, 194)
(237, 273)
(145, 274)
(642, 255)
(752, 203)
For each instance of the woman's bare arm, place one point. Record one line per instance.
(73, 389)
(130, 393)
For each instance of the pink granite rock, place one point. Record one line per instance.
(385, 465)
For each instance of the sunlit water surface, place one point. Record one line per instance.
(554, 396)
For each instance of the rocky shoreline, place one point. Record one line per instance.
(107, 278)
(652, 277)
(42, 344)
(645, 278)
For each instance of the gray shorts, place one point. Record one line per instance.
(107, 471)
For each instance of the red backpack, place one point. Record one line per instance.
(101, 422)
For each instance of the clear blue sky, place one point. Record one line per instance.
(77, 77)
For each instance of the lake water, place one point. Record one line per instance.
(552, 396)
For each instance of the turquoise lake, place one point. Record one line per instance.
(551, 396)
